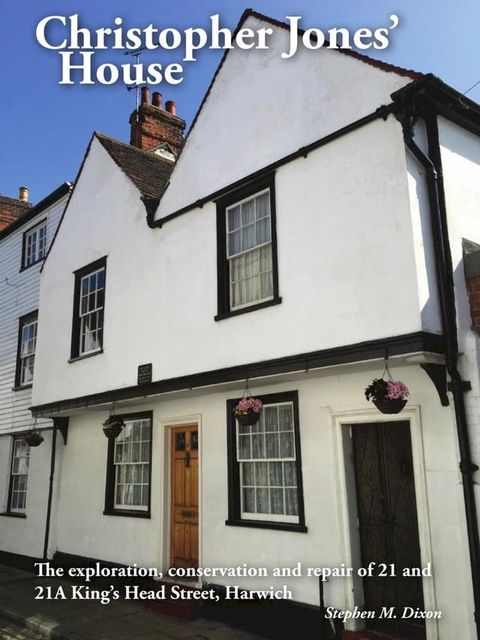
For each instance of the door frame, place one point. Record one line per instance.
(349, 532)
(166, 425)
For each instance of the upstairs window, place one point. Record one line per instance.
(17, 497)
(247, 257)
(249, 250)
(88, 312)
(34, 244)
(27, 341)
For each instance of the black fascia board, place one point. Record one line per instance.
(347, 354)
(449, 102)
(27, 217)
(381, 112)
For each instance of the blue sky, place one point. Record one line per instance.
(45, 127)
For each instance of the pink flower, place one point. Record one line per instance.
(397, 390)
(246, 404)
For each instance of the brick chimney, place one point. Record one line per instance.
(12, 208)
(152, 126)
(471, 263)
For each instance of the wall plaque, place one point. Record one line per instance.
(144, 375)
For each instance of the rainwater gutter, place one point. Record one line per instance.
(50, 490)
(458, 387)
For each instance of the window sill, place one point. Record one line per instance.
(32, 264)
(265, 524)
(22, 387)
(253, 307)
(13, 514)
(126, 513)
(87, 355)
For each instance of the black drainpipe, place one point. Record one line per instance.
(458, 386)
(50, 490)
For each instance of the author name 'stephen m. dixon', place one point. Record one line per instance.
(402, 613)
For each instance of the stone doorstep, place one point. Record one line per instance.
(41, 625)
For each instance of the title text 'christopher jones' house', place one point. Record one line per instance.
(322, 216)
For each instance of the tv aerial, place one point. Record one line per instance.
(135, 87)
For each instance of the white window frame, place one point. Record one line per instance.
(98, 310)
(257, 247)
(144, 463)
(35, 244)
(17, 443)
(248, 515)
(24, 357)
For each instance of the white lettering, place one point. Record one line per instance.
(40, 32)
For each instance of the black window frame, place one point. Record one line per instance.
(22, 321)
(234, 499)
(75, 343)
(110, 509)
(249, 189)
(9, 512)
(34, 227)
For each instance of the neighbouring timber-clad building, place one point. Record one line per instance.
(321, 219)
(24, 238)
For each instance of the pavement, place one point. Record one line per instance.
(22, 617)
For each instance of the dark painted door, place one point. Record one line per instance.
(387, 514)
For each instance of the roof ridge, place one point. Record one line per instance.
(132, 147)
(148, 172)
(384, 66)
(15, 200)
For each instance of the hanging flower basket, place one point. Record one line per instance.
(113, 426)
(248, 411)
(389, 405)
(389, 396)
(33, 438)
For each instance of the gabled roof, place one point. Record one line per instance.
(383, 66)
(148, 172)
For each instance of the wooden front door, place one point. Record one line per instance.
(387, 516)
(184, 532)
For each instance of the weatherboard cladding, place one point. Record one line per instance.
(31, 212)
(19, 296)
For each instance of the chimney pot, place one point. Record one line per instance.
(145, 95)
(171, 107)
(152, 126)
(23, 194)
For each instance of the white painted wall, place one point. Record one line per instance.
(461, 169)
(83, 530)
(25, 536)
(347, 270)
(262, 108)
(422, 236)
